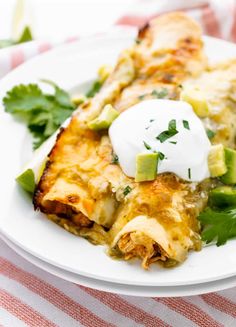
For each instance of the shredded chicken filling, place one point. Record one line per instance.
(136, 244)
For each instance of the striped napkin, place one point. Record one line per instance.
(217, 18)
(31, 297)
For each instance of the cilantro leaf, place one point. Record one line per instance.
(37, 132)
(43, 113)
(147, 146)
(161, 155)
(172, 125)
(186, 124)
(165, 135)
(218, 225)
(61, 96)
(23, 99)
(162, 137)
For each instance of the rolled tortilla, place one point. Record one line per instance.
(80, 182)
(146, 238)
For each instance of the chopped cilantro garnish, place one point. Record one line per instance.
(127, 190)
(172, 124)
(160, 94)
(162, 137)
(165, 135)
(186, 124)
(141, 97)
(115, 159)
(147, 146)
(151, 120)
(219, 225)
(161, 156)
(173, 142)
(210, 133)
(189, 173)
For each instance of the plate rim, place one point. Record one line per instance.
(122, 289)
(51, 261)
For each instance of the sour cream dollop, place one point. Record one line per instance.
(137, 130)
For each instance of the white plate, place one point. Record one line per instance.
(146, 291)
(70, 66)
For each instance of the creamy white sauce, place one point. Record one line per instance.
(144, 121)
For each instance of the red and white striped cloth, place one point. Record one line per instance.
(217, 18)
(31, 297)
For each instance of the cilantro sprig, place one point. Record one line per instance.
(43, 113)
(218, 225)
